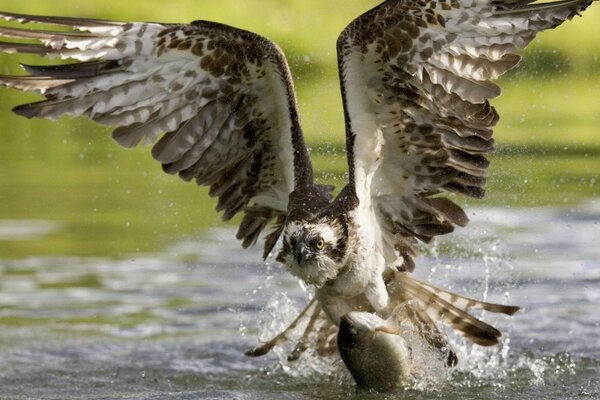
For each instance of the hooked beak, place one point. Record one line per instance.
(301, 252)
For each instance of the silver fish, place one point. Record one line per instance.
(374, 352)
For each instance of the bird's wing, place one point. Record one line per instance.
(416, 80)
(217, 102)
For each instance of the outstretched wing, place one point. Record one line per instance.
(218, 101)
(416, 79)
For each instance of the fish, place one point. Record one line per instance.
(374, 351)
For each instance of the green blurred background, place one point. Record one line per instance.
(108, 201)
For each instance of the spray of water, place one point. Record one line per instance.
(475, 265)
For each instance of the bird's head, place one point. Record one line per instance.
(314, 251)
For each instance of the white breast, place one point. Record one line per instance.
(362, 286)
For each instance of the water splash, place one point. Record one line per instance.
(546, 370)
(280, 310)
(52, 320)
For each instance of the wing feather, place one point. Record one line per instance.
(218, 103)
(416, 80)
(451, 308)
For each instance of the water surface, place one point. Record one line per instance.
(175, 324)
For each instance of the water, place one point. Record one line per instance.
(174, 325)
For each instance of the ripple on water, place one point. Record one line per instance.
(175, 325)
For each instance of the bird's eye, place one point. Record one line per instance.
(320, 244)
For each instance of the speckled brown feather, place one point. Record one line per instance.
(450, 308)
(218, 102)
(416, 79)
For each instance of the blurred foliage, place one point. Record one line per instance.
(112, 201)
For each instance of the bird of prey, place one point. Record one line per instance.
(218, 105)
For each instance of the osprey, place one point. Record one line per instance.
(218, 103)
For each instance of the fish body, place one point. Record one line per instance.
(374, 352)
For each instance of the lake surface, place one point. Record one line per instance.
(174, 325)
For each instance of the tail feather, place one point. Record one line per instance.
(437, 308)
(450, 308)
(465, 303)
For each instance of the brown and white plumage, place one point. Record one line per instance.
(218, 104)
(433, 303)
(417, 78)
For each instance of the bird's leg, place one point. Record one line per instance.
(377, 294)
(427, 329)
(302, 344)
(327, 338)
(282, 337)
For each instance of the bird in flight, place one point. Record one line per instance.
(218, 105)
